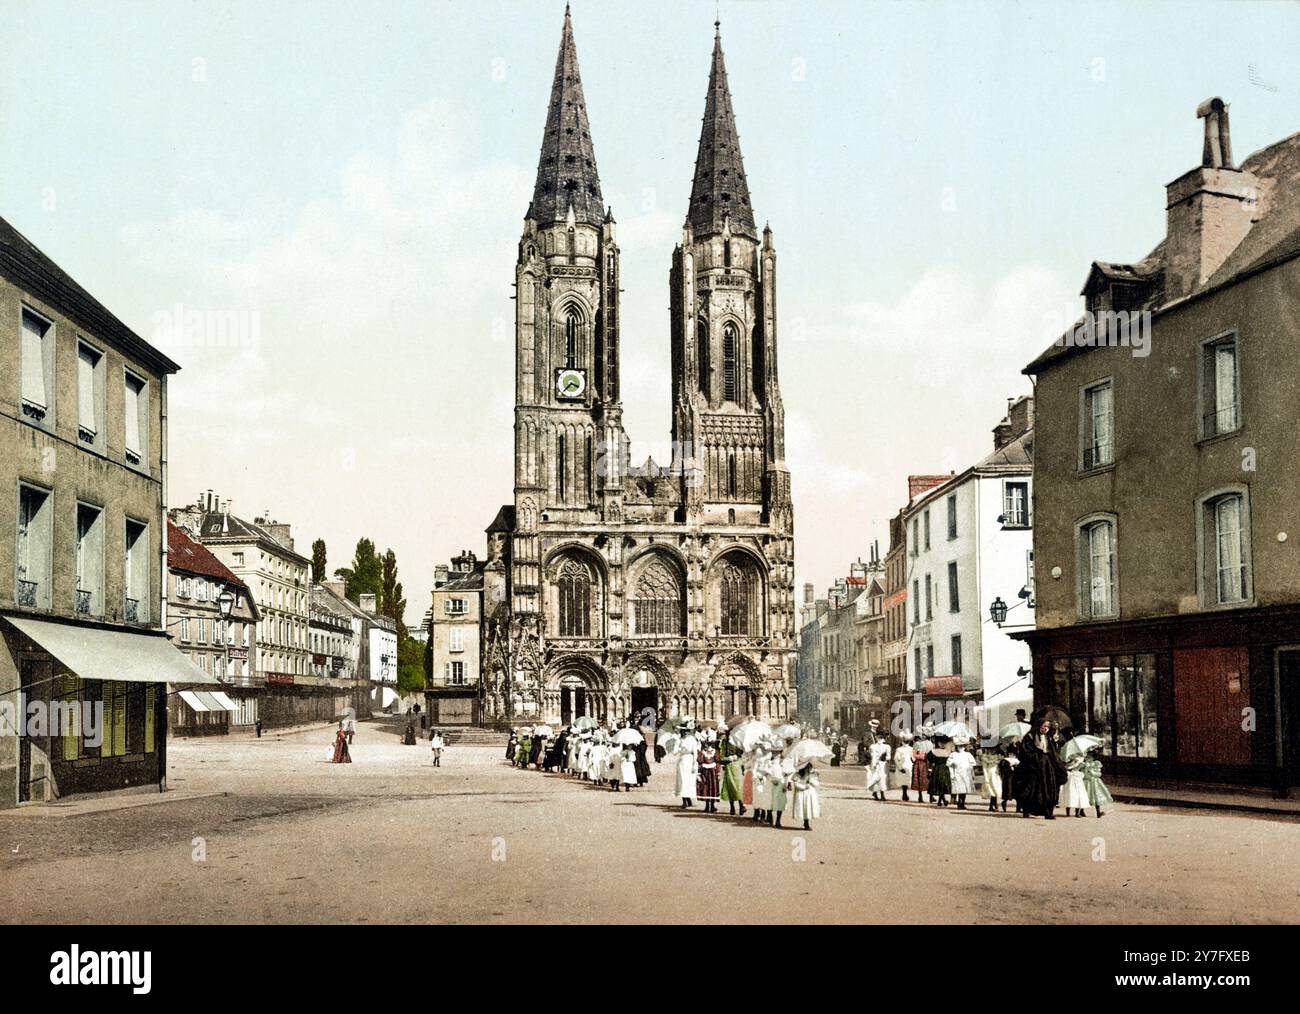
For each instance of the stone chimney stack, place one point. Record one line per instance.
(367, 602)
(1209, 210)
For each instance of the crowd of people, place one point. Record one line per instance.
(1039, 765)
(751, 766)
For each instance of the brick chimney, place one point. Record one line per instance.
(1208, 210)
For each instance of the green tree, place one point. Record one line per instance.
(410, 666)
(365, 576)
(318, 571)
(391, 602)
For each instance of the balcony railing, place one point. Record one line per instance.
(1223, 420)
(27, 592)
(83, 602)
(131, 611)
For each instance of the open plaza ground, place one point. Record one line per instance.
(268, 831)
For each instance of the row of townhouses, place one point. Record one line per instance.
(313, 653)
(927, 631)
(119, 619)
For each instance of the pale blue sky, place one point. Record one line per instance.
(938, 175)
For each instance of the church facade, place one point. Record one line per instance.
(611, 588)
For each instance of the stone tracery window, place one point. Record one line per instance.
(729, 362)
(739, 600)
(657, 601)
(574, 586)
(572, 322)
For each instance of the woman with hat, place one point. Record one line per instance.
(707, 778)
(940, 777)
(687, 751)
(1041, 773)
(921, 768)
(732, 787)
(878, 769)
(805, 803)
(901, 776)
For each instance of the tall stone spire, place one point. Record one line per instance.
(566, 170)
(720, 190)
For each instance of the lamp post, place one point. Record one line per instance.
(226, 603)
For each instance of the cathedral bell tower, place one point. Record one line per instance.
(569, 440)
(728, 420)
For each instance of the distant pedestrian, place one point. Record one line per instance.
(512, 744)
(940, 778)
(437, 743)
(408, 737)
(732, 780)
(342, 755)
(258, 725)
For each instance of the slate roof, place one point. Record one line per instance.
(1273, 239)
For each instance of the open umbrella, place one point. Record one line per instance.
(628, 737)
(1051, 713)
(584, 722)
(958, 732)
(748, 735)
(788, 731)
(1013, 732)
(544, 731)
(806, 750)
(1079, 745)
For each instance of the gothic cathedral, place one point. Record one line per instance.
(611, 588)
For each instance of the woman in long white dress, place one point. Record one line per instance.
(686, 751)
(778, 777)
(991, 765)
(901, 776)
(961, 769)
(878, 769)
(805, 803)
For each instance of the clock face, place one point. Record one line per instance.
(570, 383)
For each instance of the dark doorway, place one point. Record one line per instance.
(1289, 715)
(645, 697)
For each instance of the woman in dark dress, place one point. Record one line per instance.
(511, 744)
(642, 764)
(1040, 774)
(940, 776)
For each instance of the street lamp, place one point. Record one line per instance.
(998, 611)
(226, 603)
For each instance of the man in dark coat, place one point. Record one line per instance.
(1040, 774)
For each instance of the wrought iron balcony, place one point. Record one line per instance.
(83, 602)
(131, 611)
(27, 592)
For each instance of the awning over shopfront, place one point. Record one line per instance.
(96, 653)
(203, 700)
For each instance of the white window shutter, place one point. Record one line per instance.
(86, 360)
(133, 416)
(33, 361)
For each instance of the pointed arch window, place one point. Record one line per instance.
(729, 362)
(702, 355)
(657, 602)
(731, 476)
(574, 586)
(739, 600)
(572, 326)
